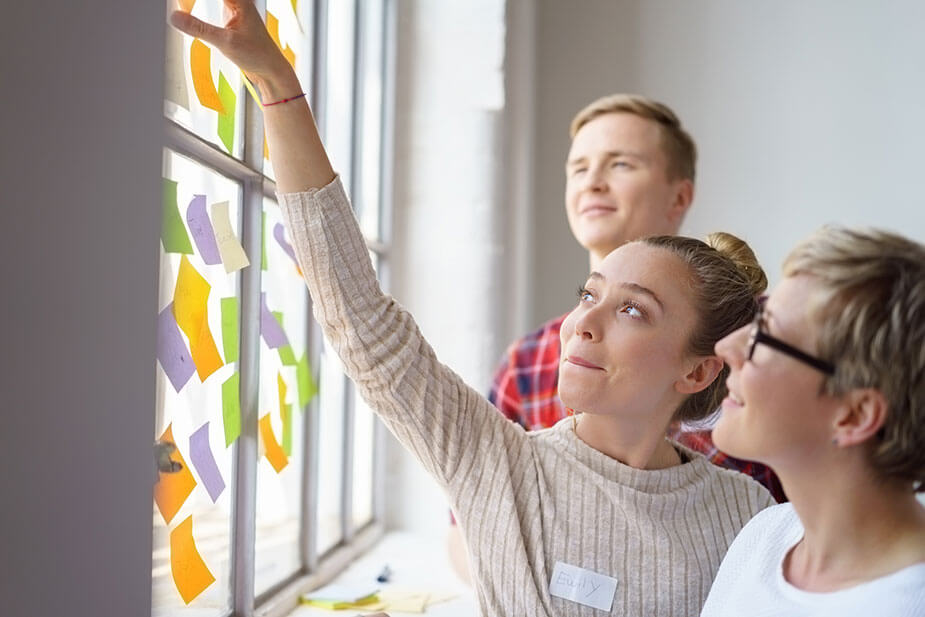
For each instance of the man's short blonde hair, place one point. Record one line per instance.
(679, 147)
(871, 321)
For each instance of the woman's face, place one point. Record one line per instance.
(624, 345)
(775, 412)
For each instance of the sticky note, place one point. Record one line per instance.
(175, 359)
(231, 408)
(263, 241)
(229, 307)
(226, 120)
(201, 228)
(286, 413)
(173, 233)
(273, 28)
(286, 355)
(233, 256)
(279, 233)
(190, 309)
(190, 573)
(307, 386)
(270, 329)
(281, 389)
(250, 88)
(172, 489)
(186, 5)
(175, 78)
(204, 462)
(289, 54)
(200, 56)
(274, 452)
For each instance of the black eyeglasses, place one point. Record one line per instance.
(760, 336)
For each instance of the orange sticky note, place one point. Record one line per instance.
(289, 55)
(172, 489)
(274, 452)
(190, 308)
(273, 28)
(191, 575)
(186, 5)
(200, 57)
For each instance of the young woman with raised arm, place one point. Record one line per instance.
(597, 515)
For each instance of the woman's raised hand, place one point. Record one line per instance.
(245, 41)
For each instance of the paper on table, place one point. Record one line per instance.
(173, 233)
(172, 489)
(190, 573)
(200, 56)
(233, 256)
(231, 408)
(199, 225)
(204, 462)
(274, 452)
(171, 350)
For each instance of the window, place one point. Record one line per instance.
(267, 480)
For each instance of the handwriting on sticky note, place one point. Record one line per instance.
(190, 573)
(201, 228)
(233, 256)
(175, 359)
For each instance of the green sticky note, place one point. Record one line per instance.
(286, 413)
(286, 356)
(231, 409)
(173, 232)
(307, 386)
(226, 120)
(230, 328)
(263, 242)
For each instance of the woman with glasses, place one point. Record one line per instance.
(827, 387)
(600, 514)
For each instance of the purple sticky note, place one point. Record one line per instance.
(171, 350)
(204, 462)
(201, 228)
(279, 232)
(270, 329)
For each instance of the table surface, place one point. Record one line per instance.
(417, 564)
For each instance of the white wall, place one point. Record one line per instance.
(81, 136)
(805, 113)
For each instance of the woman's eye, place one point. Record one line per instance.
(621, 164)
(584, 295)
(632, 310)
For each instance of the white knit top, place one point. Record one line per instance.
(524, 501)
(751, 579)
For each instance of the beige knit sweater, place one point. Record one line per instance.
(524, 500)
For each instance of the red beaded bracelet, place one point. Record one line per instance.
(291, 98)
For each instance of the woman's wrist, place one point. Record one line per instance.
(279, 85)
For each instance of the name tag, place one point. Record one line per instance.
(582, 586)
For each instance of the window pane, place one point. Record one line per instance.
(330, 450)
(204, 91)
(291, 21)
(338, 102)
(282, 400)
(196, 383)
(369, 117)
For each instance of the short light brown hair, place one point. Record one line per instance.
(726, 281)
(870, 313)
(680, 149)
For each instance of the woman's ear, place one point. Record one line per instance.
(862, 415)
(700, 376)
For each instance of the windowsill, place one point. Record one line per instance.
(418, 564)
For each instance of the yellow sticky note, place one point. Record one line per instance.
(281, 386)
(200, 57)
(289, 54)
(405, 601)
(186, 5)
(172, 489)
(205, 352)
(189, 300)
(274, 452)
(191, 575)
(273, 28)
(229, 248)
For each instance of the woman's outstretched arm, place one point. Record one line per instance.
(299, 159)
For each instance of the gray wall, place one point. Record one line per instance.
(805, 113)
(81, 132)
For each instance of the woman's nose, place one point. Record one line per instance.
(732, 347)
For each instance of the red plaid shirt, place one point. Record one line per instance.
(525, 389)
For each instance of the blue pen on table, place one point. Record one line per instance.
(385, 574)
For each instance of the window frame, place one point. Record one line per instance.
(316, 569)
